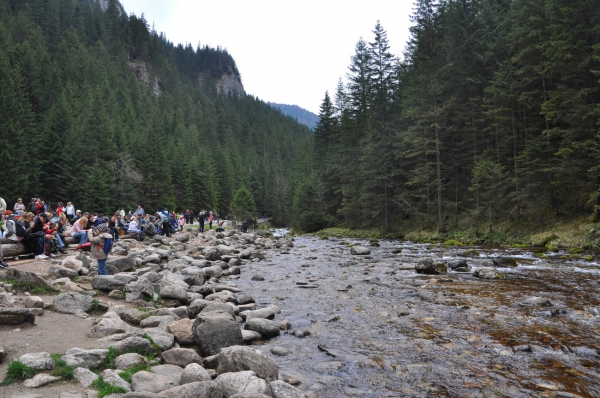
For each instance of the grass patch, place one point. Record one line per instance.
(348, 233)
(109, 361)
(453, 242)
(155, 346)
(95, 304)
(16, 372)
(105, 389)
(127, 374)
(61, 368)
(13, 282)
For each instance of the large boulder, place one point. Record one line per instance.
(112, 282)
(182, 330)
(122, 264)
(241, 358)
(181, 357)
(487, 273)
(93, 358)
(200, 389)
(265, 327)
(505, 262)
(30, 279)
(72, 302)
(214, 330)
(16, 316)
(72, 263)
(242, 382)
(112, 377)
(151, 382)
(174, 292)
(134, 344)
(281, 389)
(360, 250)
(430, 266)
(57, 272)
(193, 373)
(141, 289)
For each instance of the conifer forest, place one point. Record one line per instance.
(492, 112)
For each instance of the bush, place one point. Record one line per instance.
(312, 221)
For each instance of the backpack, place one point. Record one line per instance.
(14, 227)
(108, 244)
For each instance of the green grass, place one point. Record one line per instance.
(105, 389)
(16, 372)
(127, 374)
(155, 346)
(109, 361)
(61, 368)
(95, 303)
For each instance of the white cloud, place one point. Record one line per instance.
(287, 52)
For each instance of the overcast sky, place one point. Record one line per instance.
(287, 52)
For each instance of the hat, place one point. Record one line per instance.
(102, 228)
(78, 211)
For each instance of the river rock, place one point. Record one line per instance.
(487, 273)
(130, 360)
(34, 302)
(454, 264)
(161, 337)
(72, 263)
(213, 271)
(242, 382)
(182, 330)
(360, 250)
(240, 358)
(38, 360)
(265, 327)
(430, 266)
(200, 389)
(141, 289)
(40, 380)
(212, 254)
(505, 262)
(250, 336)
(84, 376)
(536, 302)
(136, 344)
(112, 377)
(181, 357)
(193, 373)
(213, 331)
(281, 389)
(280, 351)
(93, 358)
(174, 292)
(156, 320)
(151, 382)
(172, 371)
(122, 264)
(265, 313)
(109, 324)
(69, 303)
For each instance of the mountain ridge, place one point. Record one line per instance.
(301, 115)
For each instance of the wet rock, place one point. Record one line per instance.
(84, 376)
(70, 303)
(16, 316)
(242, 382)
(213, 331)
(151, 382)
(457, 264)
(521, 348)
(505, 262)
(464, 270)
(129, 361)
(280, 351)
(92, 358)
(360, 250)
(38, 360)
(181, 357)
(112, 377)
(536, 302)
(585, 351)
(200, 389)
(258, 278)
(250, 336)
(40, 380)
(281, 389)
(487, 273)
(265, 327)
(430, 266)
(194, 373)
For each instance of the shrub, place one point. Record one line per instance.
(16, 372)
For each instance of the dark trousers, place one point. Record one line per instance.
(166, 229)
(37, 242)
(201, 229)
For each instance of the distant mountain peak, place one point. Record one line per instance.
(303, 116)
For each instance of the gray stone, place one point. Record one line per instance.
(536, 302)
(219, 307)
(240, 382)
(172, 371)
(131, 315)
(112, 282)
(280, 351)
(38, 360)
(160, 337)
(163, 253)
(200, 389)
(130, 360)
(194, 372)
(7, 300)
(72, 263)
(153, 258)
(69, 303)
(139, 290)
(197, 306)
(122, 264)
(265, 327)
(213, 331)
(109, 324)
(174, 292)
(245, 299)
(250, 336)
(265, 313)
(93, 358)
(84, 376)
(74, 362)
(112, 377)
(281, 389)
(141, 394)
(241, 358)
(457, 264)
(487, 273)
(360, 250)
(16, 316)
(155, 320)
(182, 330)
(505, 262)
(429, 266)
(213, 272)
(181, 357)
(30, 278)
(40, 380)
(212, 254)
(34, 302)
(134, 344)
(151, 382)
(56, 272)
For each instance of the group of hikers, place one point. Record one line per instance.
(45, 231)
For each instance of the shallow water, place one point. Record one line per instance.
(377, 329)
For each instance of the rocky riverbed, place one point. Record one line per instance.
(324, 318)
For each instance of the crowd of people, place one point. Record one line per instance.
(45, 230)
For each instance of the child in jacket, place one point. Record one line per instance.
(97, 238)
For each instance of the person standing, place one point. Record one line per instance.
(210, 220)
(98, 237)
(139, 213)
(19, 207)
(70, 212)
(201, 221)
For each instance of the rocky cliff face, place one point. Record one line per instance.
(104, 5)
(226, 84)
(146, 75)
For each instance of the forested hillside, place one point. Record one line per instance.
(300, 114)
(97, 109)
(492, 113)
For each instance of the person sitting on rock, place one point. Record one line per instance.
(79, 230)
(61, 231)
(34, 234)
